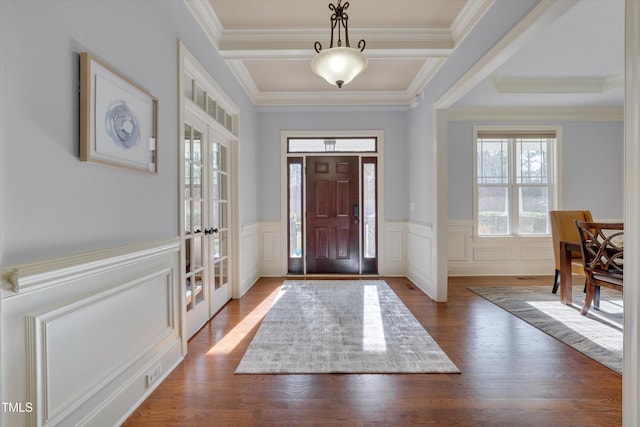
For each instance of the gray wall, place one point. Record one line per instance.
(396, 154)
(53, 204)
(592, 167)
(495, 23)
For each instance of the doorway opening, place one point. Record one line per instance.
(332, 205)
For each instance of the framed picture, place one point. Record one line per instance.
(118, 119)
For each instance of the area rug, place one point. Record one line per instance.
(341, 326)
(597, 335)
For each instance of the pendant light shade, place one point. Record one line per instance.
(339, 65)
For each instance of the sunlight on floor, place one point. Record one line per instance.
(240, 331)
(373, 338)
(599, 333)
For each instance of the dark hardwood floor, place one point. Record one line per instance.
(512, 374)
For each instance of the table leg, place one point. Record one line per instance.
(566, 288)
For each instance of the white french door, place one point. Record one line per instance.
(218, 212)
(205, 220)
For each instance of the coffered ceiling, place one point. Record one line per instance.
(268, 44)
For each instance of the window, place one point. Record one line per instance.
(515, 186)
(337, 144)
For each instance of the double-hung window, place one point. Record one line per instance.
(514, 180)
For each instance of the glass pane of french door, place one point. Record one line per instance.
(218, 218)
(195, 290)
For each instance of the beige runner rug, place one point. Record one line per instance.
(341, 326)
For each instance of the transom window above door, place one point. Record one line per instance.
(334, 144)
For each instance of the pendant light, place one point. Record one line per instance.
(339, 65)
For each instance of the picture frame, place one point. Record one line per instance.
(118, 119)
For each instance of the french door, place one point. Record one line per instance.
(205, 221)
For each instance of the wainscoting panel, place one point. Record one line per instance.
(420, 249)
(272, 249)
(88, 347)
(394, 249)
(250, 260)
(495, 256)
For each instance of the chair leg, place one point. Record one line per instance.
(556, 282)
(596, 298)
(587, 299)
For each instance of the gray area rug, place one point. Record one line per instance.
(598, 335)
(341, 326)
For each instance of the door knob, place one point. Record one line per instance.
(210, 230)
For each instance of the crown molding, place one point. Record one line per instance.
(346, 98)
(244, 77)
(468, 18)
(556, 85)
(286, 43)
(535, 114)
(546, 12)
(207, 18)
(424, 76)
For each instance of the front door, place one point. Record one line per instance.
(333, 215)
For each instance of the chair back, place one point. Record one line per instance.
(602, 249)
(563, 229)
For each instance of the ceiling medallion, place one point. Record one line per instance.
(339, 65)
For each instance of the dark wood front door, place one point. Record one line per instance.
(332, 215)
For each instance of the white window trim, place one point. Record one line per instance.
(555, 174)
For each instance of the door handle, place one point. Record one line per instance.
(210, 230)
(356, 213)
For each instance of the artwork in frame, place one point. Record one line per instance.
(118, 119)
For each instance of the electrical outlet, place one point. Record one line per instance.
(153, 375)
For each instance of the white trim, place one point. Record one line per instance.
(34, 276)
(297, 43)
(189, 65)
(192, 67)
(537, 20)
(535, 114)
(555, 173)
(631, 367)
(352, 98)
(207, 19)
(496, 256)
(468, 18)
(556, 84)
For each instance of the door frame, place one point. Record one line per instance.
(188, 64)
(284, 155)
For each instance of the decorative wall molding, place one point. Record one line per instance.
(555, 85)
(394, 248)
(62, 380)
(496, 256)
(32, 276)
(250, 260)
(87, 330)
(528, 115)
(420, 258)
(272, 254)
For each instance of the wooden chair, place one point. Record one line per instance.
(602, 256)
(564, 229)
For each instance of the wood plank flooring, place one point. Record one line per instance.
(512, 374)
